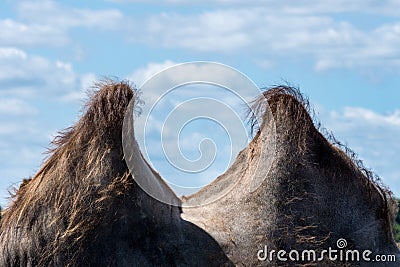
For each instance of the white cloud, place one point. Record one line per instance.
(219, 31)
(15, 106)
(61, 17)
(379, 47)
(26, 75)
(371, 117)
(275, 36)
(26, 34)
(11, 52)
(47, 23)
(269, 30)
(386, 7)
(140, 75)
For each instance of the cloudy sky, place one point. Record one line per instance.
(344, 55)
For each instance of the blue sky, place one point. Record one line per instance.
(344, 55)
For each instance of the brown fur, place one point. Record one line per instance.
(70, 194)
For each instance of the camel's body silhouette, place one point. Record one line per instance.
(83, 208)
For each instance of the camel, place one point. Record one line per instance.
(84, 207)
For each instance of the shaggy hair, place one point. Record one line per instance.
(55, 211)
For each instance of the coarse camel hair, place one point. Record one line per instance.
(84, 208)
